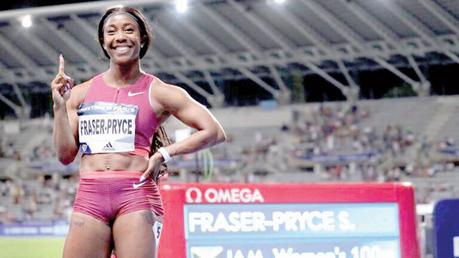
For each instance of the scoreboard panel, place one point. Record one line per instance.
(289, 220)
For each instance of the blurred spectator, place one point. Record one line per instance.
(334, 140)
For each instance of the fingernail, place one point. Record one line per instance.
(142, 178)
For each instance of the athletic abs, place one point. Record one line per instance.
(113, 161)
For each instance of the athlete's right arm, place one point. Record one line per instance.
(65, 105)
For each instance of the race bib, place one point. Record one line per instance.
(157, 228)
(105, 127)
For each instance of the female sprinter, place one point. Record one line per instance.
(112, 120)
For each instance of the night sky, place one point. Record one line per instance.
(9, 5)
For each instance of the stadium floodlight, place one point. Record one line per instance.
(181, 6)
(279, 1)
(26, 21)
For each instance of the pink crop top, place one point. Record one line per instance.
(135, 94)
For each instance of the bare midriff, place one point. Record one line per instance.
(113, 161)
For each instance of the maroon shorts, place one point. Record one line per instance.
(109, 194)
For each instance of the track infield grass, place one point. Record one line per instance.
(29, 247)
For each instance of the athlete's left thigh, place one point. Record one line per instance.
(134, 235)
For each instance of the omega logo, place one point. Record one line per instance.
(232, 195)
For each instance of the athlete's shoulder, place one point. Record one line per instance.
(79, 92)
(83, 87)
(170, 96)
(163, 86)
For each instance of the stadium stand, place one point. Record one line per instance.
(334, 141)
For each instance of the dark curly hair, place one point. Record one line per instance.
(160, 139)
(144, 27)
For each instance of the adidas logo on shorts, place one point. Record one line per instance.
(108, 147)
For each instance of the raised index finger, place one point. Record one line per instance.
(61, 64)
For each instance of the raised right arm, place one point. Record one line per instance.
(66, 100)
(65, 131)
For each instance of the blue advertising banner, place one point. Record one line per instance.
(35, 229)
(446, 228)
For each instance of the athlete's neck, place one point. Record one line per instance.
(123, 75)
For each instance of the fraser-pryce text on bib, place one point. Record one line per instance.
(105, 127)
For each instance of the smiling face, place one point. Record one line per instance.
(133, 17)
(121, 38)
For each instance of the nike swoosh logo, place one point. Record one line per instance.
(135, 186)
(132, 94)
